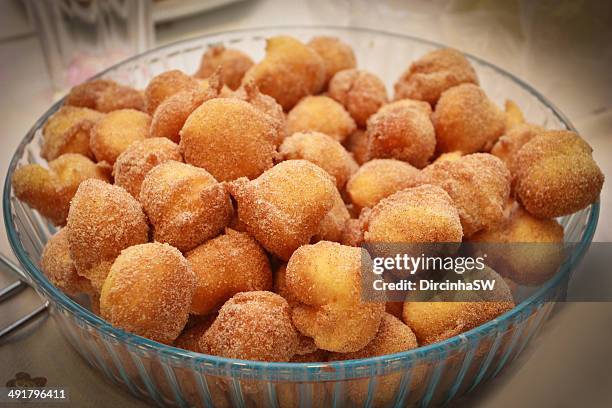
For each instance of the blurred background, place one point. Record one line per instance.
(562, 48)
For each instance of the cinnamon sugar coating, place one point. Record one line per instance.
(432, 74)
(223, 266)
(283, 208)
(229, 138)
(185, 204)
(49, 191)
(289, 71)
(252, 326)
(360, 92)
(326, 279)
(102, 221)
(105, 95)
(148, 292)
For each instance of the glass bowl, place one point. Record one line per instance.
(170, 376)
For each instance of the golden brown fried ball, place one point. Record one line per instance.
(419, 214)
(170, 116)
(393, 336)
(556, 175)
(116, 131)
(402, 130)
(321, 150)
(378, 179)
(441, 317)
(189, 339)
(432, 74)
(332, 225)
(252, 326)
(523, 264)
(478, 184)
(514, 115)
(165, 85)
(511, 142)
(68, 131)
(57, 265)
(103, 220)
(230, 139)
(357, 144)
(360, 92)
(49, 191)
(139, 158)
(337, 55)
(234, 64)
(105, 95)
(225, 265)
(465, 119)
(326, 279)
(320, 114)
(249, 92)
(289, 72)
(148, 292)
(185, 204)
(283, 208)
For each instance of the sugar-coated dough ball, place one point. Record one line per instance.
(249, 92)
(148, 292)
(419, 214)
(105, 95)
(103, 220)
(442, 318)
(230, 139)
(252, 326)
(223, 266)
(402, 130)
(523, 264)
(57, 265)
(320, 114)
(289, 72)
(478, 184)
(139, 158)
(283, 207)
(434, 73)
(185, 204)
(321, 150)
(165, 85)
(465, 119)
(511, 142)
(234, 64)
(116, 131)
(337, 55)
(555, 174)
(171, 115)
(68, 131)
(326, 279)
(360, 92)
(49, 191)
(393, 336)
(378, 179)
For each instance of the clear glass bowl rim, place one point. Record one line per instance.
(314, 371)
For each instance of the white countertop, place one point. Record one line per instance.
(564, 55)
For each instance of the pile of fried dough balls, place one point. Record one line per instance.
(224, 211)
